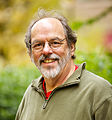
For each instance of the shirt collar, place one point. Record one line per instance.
(73, 79)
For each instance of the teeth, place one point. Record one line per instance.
(48, 61)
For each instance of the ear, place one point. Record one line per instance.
(72, 49)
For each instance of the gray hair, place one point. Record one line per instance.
(70, 35)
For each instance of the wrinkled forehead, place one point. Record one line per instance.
(48, 25)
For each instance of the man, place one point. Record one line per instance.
(65, 91)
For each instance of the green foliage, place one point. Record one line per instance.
(100, 64)
(76, 25)
(14, 80)
(13, 83)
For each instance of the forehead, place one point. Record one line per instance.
(47, 27)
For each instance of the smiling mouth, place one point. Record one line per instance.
(49, 60)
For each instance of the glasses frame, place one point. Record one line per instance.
(30, 44)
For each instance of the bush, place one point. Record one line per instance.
(100, 64)
(13, 82)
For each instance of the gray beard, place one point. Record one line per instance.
(53, 72)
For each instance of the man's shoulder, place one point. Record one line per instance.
(92, 77)
(89, 77)
(99, 88)
(96, 83)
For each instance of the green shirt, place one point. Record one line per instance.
(84, 96)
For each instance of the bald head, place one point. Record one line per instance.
(48, 27)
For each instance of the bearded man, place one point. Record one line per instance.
(65, 91)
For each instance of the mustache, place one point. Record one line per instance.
(51, 56)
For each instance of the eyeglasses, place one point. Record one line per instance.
(54, 44)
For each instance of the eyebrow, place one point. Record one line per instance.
(56, 38)
(35, 41)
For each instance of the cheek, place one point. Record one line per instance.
(62, 52)
(35, 56)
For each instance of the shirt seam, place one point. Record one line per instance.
(102, 103)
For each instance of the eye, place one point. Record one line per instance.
(56, 43)
(37, 45)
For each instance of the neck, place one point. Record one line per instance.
(51, 84)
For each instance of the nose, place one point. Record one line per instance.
(47, 49)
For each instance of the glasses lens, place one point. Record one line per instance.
(54, 44)
(37, 46)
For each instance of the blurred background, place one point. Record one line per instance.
(90, 19)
